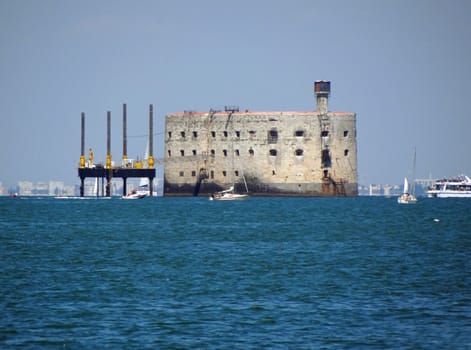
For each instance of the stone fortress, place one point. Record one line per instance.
(281, 153)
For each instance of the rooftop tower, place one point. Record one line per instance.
(322, 92)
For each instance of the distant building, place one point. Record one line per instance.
(55, 188)
(49, 188)
(312, 153)
(25, 188)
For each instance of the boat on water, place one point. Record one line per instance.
(408, 194)
(134, 195)
(406, 197)
(143, 190)
(228, 195)
(139, 193)
(457, 187)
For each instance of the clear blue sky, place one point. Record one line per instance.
(403, 66)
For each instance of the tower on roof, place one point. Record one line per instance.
(322, 92)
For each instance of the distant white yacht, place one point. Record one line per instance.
(458, 187)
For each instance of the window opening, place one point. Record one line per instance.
(299, 152)
(272, 136)
(299, 133)
(183, 134)
(182, 152)
(326, 161)
(195, 134)
(273, 152)
(345, 133)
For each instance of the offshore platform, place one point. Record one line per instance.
(108, 171)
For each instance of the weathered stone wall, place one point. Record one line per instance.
(278, 153)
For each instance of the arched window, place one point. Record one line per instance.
(299, 152)
(251, 152)
(345, 152)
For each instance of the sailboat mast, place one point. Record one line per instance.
(413, 173)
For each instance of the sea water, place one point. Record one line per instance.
(265, 273)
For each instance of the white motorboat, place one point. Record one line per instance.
(136, 194)
(458, 187)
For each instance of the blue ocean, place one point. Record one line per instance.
(265, 273)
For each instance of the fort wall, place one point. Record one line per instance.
(285, 153)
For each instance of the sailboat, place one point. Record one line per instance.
(408, 195)
(230, 194)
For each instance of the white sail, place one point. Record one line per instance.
(96, 188)
(408, 196)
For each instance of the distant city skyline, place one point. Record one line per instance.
(401, 66)
(53, 188)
